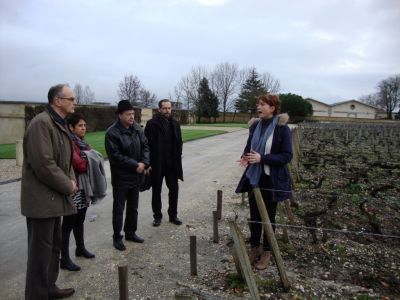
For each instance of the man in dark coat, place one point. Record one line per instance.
(165, 141)
(48, 181)
(128, 153)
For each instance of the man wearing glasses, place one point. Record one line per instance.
(48, 181)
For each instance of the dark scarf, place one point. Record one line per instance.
(56, 117)
(82, 145)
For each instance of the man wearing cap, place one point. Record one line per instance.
(165, 141)
(128, 153)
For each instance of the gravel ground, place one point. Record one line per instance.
(9, 170)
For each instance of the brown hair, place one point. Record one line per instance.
(271, 100)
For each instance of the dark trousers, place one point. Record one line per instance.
(131, 197)
(44, 244)
(75, 223)
(171, 179)
(256, 228)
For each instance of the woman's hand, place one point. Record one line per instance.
(253, 157)
(243, 161)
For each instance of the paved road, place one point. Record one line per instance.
(208, 163)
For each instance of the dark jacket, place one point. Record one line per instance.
(126, 148)
(281, 154)
(156, 135)
(47, 169)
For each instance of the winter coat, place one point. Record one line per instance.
(280, 155)
(47, 169)
(79, 162)
(156, 135)
(126, 148)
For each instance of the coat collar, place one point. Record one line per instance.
(134, 127)
(282, 120)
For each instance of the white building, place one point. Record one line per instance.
(346, 109)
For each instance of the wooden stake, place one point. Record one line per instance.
(215, 227)
(123, 282)
(193, 255)
(241, 252)
(219, 204)
(271, 238)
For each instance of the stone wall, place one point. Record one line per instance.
(12, 122)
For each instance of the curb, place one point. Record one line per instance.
(10, 181)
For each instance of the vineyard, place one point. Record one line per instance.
(347, 180)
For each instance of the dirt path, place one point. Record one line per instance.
(160, 266)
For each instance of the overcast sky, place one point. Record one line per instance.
(329, 50)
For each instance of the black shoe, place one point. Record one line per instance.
(67, 264)
(134, 238)
(175, 220)
(56, 293)
(156, 222)
(83, 252)
(119, 245)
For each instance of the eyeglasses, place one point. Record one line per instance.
(67, 98)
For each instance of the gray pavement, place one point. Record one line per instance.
(209, 164)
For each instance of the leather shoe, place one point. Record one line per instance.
(119, 245)
(134, 238)
(156, 222)
(67, 264)
(57, 293)
(175, 220)
(83, 252)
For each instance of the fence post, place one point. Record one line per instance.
(193, 255)
(271, 238)
(241, 252)
(215, 227)
(219, 204)
(123, 282)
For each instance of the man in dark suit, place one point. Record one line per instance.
(165, 141)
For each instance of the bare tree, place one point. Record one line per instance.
(389, 93)
(129, 89)
(88, 95)
(188, 87)
(271, 84)
(78, 91)
(224, 83)
(371, 99)
(147, 98)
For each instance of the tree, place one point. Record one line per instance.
(129, 89)
(250, 91)
(224, 82)
(295, 105)
(147, 98)
(371, 99)
(78, 92)
(188, 87)
(271, 84)
(88, 95)
(207, 106)
(83, 95)
(389, 94)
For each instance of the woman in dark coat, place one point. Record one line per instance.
(265, 156)
(77, 127)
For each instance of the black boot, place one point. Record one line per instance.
(80, 244)
(65, 261)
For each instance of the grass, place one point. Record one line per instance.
(7, 151)
(96, 140)
(242, 125)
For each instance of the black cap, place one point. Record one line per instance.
(123, 105)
